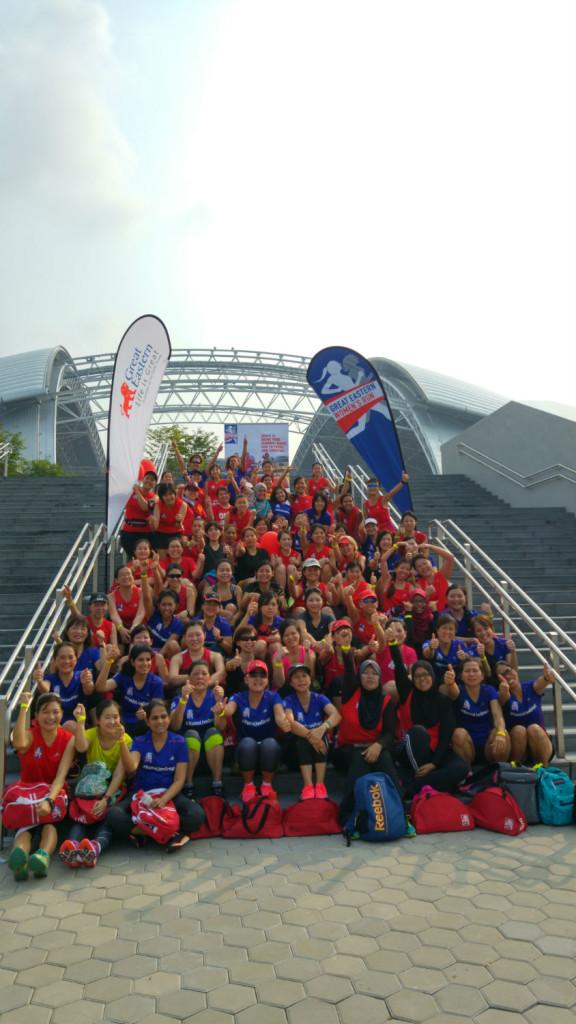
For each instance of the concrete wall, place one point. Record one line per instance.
(525, 440)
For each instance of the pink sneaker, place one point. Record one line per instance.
(321, 791)
(307, 792)
(88, 852)
(266, 790)
(69, 853)
(248, 793)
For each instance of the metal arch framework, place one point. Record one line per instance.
(204, 386)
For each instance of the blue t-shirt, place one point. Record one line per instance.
(462, 627)
(130, 698)
(160, 633)
(527, 711)
(476, 716)
(263, 630)
(87, 659)
(225, 629)
(157, 767)
(259, 723)
(500, 650)
(324, 519)
(198, 718)
(316, 709)
(70, 695)
(282, 508)
(442, 661)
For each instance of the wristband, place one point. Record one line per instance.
(407, 616)
(109, 662)
(143, 575)
(221, 713)
(499, 733)
(392, 643)
(69, 603)
(81, 718)
(483, 658)
(181, 701)
(109, 800)
(24, 706)
(49, 800)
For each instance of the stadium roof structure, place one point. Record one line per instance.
(61, 404)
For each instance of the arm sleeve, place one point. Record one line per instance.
(350, 683)
(403, 684)
(446, 730)
(388, 738)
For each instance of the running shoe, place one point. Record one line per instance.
(248, 793)
(88, 853)
(177, 842)
(307, 792)
(39, 863)
(69, 853)
(188, 790)
(321, 793)
(18, 863)
(410, 830)
(218, 789)
(267, 791)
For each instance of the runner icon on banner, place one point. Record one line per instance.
(351, 390)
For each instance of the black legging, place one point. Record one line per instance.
(350, 760)
(99, 831)
(414, 750)
(120, 821)
(251, 754)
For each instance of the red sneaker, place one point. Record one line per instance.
(88, 853)
(248, 793)
(69, 853)
(267, 791)
(321, 791)
(307, 792)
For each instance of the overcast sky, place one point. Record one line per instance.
(398, 177)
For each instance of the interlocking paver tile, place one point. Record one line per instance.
(67, 954)
(58, 993)
(232, 998)
(411, 1006)
(356, 945)
(473, 952)
(505, 995)
(462, 1000)
(388, 961)
(377, 983)
(306, 1011)
(162, 945)
(180, 961)
(361, 1008)
(81, 1012)
(37, 976)
(554, 991)
(431, 956)
(318, 949)
(204, 979)
(403, 941)
(517, 950)
(108, 990)
(135, 966)
(157, 984)
(27, 1015)
(200, 942)
(422, 979)
(557, 966)
(556, 945)
(15, 996)
(281, 993)
(246, 937)
(55, 939)
(330, 930)
(209, 1016)
(549, 1015)
(298, 968)
(345, 966)
(88, 970)
(20, 959)
(329, 988)
(273, 952)
(181, 1004)
(225, 956)
(497, 1017)
(512, 970)
(251, 974)
(129, 1010)
(117, 950)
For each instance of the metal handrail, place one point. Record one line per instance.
(5, 453)
(557, 657)
(556, 472)
(359, 477)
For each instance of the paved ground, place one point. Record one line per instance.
(443, 929)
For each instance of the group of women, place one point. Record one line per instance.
(320, 632)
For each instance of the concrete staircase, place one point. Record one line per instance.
(536, 547)
(40, 520)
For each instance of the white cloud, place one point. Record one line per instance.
(66, 156)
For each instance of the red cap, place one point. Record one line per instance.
(256, 664)
(339, 624)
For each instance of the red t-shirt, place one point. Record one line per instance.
(41, 762)
(380, 513)
(136, 520)
(300, 504)
(317, 485)
(187, 564)
(219, 512)
(105, 627)
(384, 659)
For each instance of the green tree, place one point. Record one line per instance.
(43, 467)
(188, 441)
(16, 460)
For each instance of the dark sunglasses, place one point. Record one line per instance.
(174, 576)
(258, 674)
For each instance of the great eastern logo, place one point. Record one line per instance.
(128, 398)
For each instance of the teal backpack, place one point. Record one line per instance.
(555, 796)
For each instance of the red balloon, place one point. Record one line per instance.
(269, 541)
(146, 467)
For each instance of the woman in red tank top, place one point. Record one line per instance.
(46, 752)
(124, 602)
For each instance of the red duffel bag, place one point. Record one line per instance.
(161, 823)
(21, 800)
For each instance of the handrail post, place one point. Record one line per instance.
(28, 655)
(468, 568)
(58, 603)
(557, 698)
(505, 605)
(3, 732)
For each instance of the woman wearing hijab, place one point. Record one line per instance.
(366, 735)
(427, 721)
